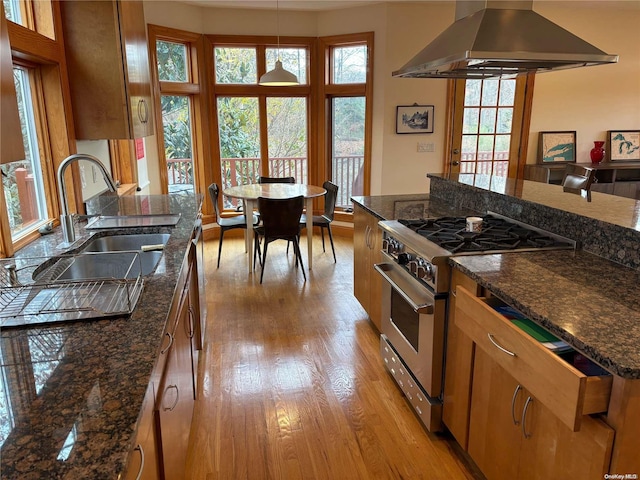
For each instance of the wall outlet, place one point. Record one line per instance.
(426, 147)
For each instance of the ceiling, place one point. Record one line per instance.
(310, 5)
(320, 5)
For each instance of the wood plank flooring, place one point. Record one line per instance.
(291, 385)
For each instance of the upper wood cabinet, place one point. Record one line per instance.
(10, 131)
(108, 65)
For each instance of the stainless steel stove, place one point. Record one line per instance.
(415, 291)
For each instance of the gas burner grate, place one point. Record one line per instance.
(497, 234)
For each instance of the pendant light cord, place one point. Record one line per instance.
(278, 25)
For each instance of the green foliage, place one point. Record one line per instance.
(172, 61)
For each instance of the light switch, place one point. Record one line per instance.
(425, 147)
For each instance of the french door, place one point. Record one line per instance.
(488, 119)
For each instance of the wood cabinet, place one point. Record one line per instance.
(367, 284)
(10, 130)
(513, 435)
(529, 411)
(175, 401)
(458, 367)
(143, 462)
(108, 66)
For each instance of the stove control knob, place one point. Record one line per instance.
(404, 258)
(428, 274)
(413, 266)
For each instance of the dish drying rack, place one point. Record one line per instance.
(32, 293)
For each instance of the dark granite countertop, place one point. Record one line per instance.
(587, 301)
(392, 207)
(71, 393)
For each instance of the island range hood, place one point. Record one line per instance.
(501, 39)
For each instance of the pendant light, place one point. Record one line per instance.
(278, 77)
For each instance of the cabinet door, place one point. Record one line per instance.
(494, 429)
(174, 406)
(361, 257)
(134, 38)
(107, 61)
(143, 461)
(552, 450)
(10, 131)
(458, 368)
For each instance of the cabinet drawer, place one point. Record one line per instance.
(566, 391)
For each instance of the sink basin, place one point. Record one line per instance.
(118, 265)
(116, 243)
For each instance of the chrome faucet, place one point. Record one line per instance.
(66, 220)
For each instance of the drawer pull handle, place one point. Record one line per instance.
(524, 417)
(500, 347)
(170, 409)
(139, 447)
(513, 405)
(166, 349)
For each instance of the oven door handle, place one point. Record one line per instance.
(395, 279)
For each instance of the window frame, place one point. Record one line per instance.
(329, 90)
(261, 92)
(196, 89)
(56, 140)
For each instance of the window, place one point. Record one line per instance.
(487, 125)
(346, 130)
(262, 131)
(179, 103)
(23, 180)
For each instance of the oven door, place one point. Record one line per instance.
(413, 320)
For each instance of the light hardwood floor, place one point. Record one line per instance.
(291, 385)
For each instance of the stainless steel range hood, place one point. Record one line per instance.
(501, 38)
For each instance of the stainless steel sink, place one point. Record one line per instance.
(117, 265)
(116, 243)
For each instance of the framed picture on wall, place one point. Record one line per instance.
(557, 147)
(414, 118)
(623, 145)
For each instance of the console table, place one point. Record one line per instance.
(615, 178)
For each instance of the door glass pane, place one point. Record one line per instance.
(236, 65)
(347, 146)
(12, 11)
(176, 125)
(490, 92)
(293, 60)
(487, 130)
(172, 61)
(349, 64)
(287, 137)
(22, 180)
(238, 123)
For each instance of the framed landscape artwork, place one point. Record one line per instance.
(557, 147)
(414, 118)
(623, 145)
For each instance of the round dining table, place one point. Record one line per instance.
(249, 195)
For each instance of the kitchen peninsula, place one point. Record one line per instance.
(587, 298)
(73, 393)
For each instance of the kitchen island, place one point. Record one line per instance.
(587, 298)
(72, 393)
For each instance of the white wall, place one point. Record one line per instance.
(589, 100)
(595, 99)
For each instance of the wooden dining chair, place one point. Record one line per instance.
(276, 180)
(226, 223)
(324, 221)
(280, 221)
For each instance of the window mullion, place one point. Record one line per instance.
(264, 137)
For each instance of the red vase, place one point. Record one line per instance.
(597, 152)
